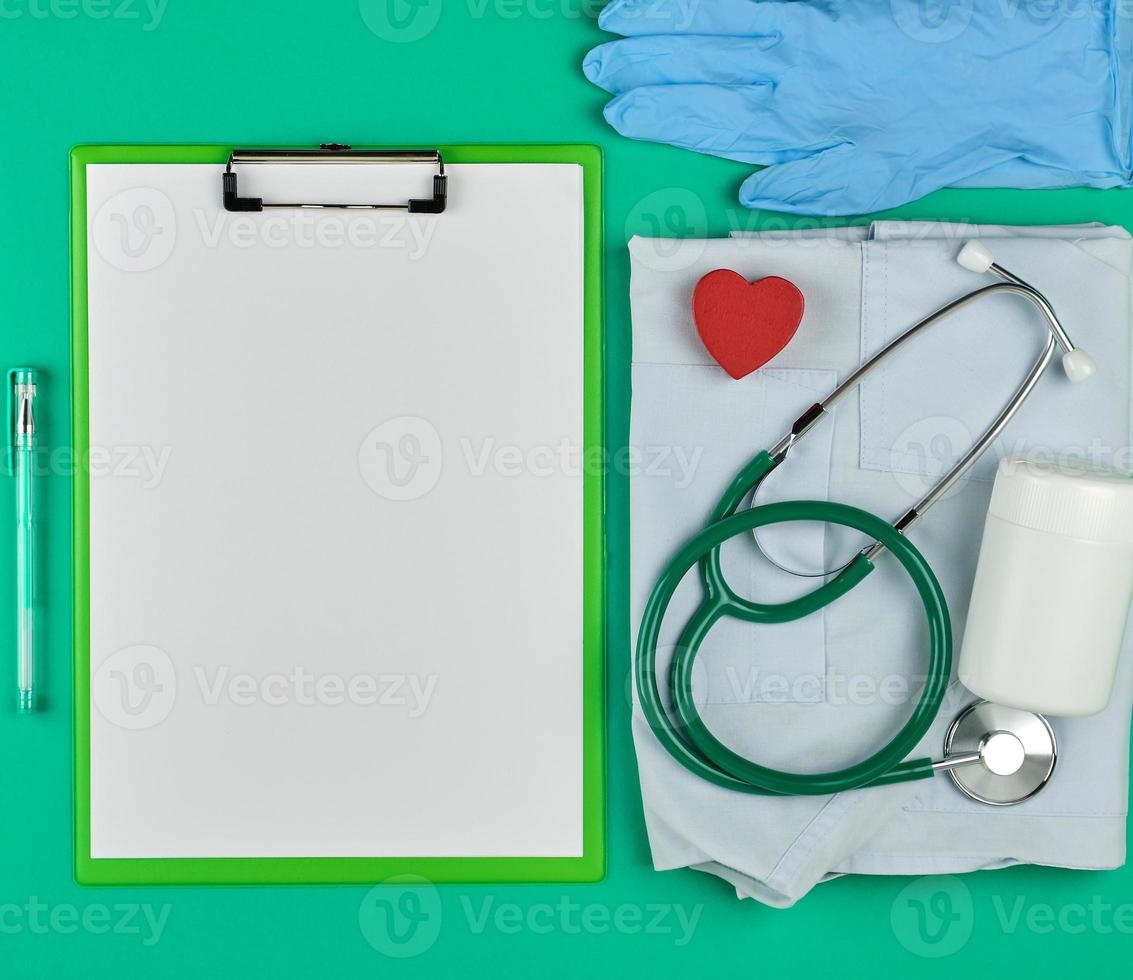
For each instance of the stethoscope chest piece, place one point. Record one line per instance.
(1016, 749)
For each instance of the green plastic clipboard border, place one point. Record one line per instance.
(590, 866)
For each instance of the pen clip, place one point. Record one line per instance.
(16, 376)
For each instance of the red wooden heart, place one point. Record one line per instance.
(745, 324)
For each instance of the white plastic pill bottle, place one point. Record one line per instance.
(1052, 589)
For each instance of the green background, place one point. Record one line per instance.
(440, 71)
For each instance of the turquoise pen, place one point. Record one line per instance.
(23, 466)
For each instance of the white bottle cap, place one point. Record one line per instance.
(1082, 501)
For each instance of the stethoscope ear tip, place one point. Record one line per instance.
(976, 257)
(1078, 365)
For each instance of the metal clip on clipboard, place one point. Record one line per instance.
(336, 153)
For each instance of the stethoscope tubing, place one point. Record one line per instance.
(699, 750)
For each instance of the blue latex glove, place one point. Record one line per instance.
(856, 106)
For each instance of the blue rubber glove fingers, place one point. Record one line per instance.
(618, 66)
(848, 179)
(909, 101)
(738, 122)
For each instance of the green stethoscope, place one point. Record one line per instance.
(706, 756)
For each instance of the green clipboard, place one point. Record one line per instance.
(590, 866)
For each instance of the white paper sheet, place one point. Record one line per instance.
(336, 515)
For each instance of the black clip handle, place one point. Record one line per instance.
(335, 153)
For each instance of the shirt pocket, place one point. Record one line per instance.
(692, 428)
(922, 408)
